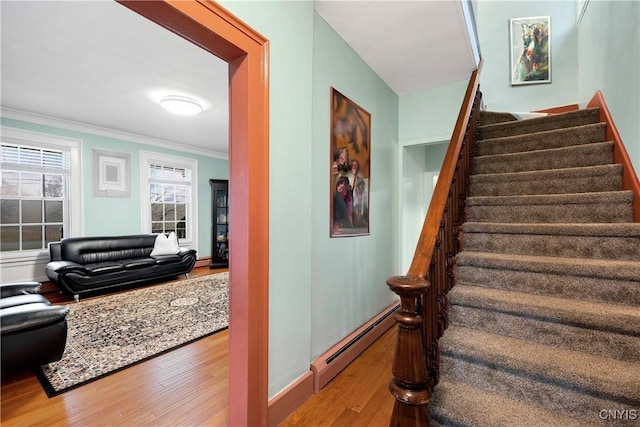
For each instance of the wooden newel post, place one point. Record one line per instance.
(410, 385)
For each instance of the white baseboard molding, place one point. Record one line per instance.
(17, 267)
(338, 357)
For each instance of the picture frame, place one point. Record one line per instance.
(530, 50)
(111, 174)
(350, 167)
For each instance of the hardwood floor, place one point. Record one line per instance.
(358, 397)
(188, 386)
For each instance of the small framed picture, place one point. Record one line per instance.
(111, 174)
(530, 40)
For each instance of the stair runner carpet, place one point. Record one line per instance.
(545, 315)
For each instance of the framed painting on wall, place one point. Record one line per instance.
(530, 48)
(350, 167)
(111, 174)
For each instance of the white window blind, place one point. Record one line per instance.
(34, 189)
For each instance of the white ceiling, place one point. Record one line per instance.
(101, 65)
(412, 45)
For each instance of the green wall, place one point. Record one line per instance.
(349, 274)
(492, 19)
(426, 122)
(609, 61)
(289, 28)
(108, 216)
(430, 116)
(330, 286)
(321, 289)
(601, 53)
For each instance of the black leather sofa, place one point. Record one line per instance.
(88, 265)
(34, 332)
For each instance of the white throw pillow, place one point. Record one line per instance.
(166, 245)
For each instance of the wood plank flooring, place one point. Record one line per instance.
(188, 387)
(358, 397)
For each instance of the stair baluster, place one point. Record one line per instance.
(422, 317)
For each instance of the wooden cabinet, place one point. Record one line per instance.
(219, 223)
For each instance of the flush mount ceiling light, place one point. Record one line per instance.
(181, 105)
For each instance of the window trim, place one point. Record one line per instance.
(75, 226)
(148, 157)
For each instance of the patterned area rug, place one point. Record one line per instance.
(109, 333)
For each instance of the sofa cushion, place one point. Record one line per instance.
(103, 268)
(31, 315)
(166, 245)
(19, 288)
(166, 259)
(94, 250)
(137, 263)
(17, 300)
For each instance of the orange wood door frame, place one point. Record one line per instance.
(211, 27)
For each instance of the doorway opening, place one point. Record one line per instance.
(217, 31)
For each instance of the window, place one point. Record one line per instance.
(168, 187)
(35, 196)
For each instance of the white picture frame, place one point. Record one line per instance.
(111, 174)
(530, 55)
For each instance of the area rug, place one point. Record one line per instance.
(109, 333)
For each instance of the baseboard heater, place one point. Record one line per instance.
(338, 357)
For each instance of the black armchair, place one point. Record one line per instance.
(34, 332)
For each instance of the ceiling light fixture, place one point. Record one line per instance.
(181, 105)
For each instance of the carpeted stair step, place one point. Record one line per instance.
(544, 316)
(597, 153)
(612, 206)
(493, 117)
(587, 179)
(618, 241)
(577, 384)
(607, 281)
(458, 404)
(556, 138)
(608, 330)
(540, 124)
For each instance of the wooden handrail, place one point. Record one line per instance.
(423, 313)
(629, 176)
(426, 242)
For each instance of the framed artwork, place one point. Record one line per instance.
(350, 167)
(111, 174)
(530, 45)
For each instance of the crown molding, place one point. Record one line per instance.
(42, 119)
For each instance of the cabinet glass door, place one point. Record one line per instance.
(220, 223)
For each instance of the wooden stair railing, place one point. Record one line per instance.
(423, 313)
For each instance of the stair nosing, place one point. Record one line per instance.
(542, 199)
(597, 126)
(591, 171)
(535, 413)
(592, 372)
(567, 311)
(585, 112)
(555, 150)
(600, 229)
(610, 269)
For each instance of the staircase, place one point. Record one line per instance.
(544, 319)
